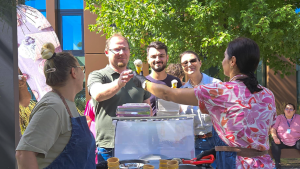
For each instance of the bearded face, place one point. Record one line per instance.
(158, 66)
(157, 59)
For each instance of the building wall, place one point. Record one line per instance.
(51, 13)
(284, 89)
(95, 58)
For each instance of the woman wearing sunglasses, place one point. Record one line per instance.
(241, 110)
(57, 136)
(191, 65)
(285, 132)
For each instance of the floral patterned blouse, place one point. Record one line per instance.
(240, 118)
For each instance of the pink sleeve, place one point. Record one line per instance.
(204, 94)
(278, 119)
(89, 110)
(86, 111)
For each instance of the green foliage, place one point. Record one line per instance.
(79, 44)
(6, 7)
(205, 26)
(80, 104)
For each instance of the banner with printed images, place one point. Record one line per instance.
(33, 31)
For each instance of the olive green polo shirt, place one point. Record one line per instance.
(105, 130)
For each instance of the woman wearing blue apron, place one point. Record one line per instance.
(57, 136)
(81, 139)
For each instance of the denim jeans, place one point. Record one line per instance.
(104, 153)
(224, 159)
(202, 144)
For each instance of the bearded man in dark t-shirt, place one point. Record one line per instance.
(157, 57)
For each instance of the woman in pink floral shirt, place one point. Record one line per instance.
(242, 111)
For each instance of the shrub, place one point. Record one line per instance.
(80, 104)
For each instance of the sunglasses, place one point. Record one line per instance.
(185, 63)
(118, 50)
(287, 109)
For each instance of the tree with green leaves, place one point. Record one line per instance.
(6, 7)
(204, 26)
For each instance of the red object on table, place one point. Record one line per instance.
(205, 160)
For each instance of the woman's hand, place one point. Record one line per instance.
(276, 140)
(22, 81)
(165, 92)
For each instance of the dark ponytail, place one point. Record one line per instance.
(251, 82)
(247, 55)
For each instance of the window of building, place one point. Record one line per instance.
(39, 5)
(70, 19)
(76, 4)
(71, 32)
(71, 37)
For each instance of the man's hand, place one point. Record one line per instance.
(276, 140)
(125, 76)
(139, 79)
(206, 153)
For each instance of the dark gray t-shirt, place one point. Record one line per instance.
(105, 130)
(167, 82)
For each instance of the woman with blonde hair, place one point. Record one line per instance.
(57, 136)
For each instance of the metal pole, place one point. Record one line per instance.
(9, 90)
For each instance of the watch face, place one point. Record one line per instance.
(144, 84)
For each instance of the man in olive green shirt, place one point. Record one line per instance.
(111, 87)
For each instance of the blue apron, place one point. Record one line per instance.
(224, 159)
(79, 153)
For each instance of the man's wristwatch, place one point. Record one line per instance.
(144, 85)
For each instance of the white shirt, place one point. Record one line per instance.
(202, 122)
